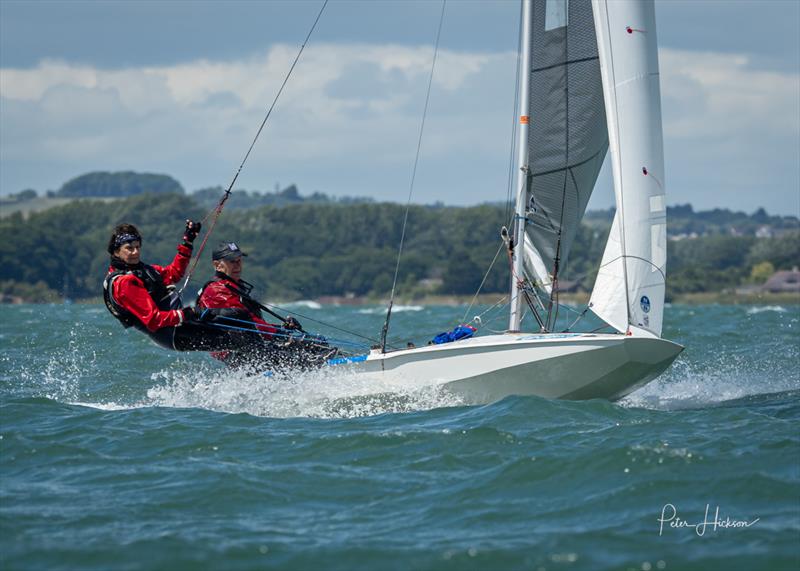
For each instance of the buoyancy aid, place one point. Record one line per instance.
(240, 286)
(163, 296)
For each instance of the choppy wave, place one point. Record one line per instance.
(117, 454)
(395, 309)
(325, 393)
(336, 393)
(75, 368)
(762, 308)
(727, 377)
(304, 303)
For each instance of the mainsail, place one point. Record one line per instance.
(567, 137)
(629, 291)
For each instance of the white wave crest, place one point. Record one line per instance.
(109, 406)
(306, 303)
(762, 309)
(395, 309)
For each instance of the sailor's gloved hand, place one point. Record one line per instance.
(192, 229)
(291, 323)
(193, 314)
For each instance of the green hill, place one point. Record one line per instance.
(118, 185)
(306, 249)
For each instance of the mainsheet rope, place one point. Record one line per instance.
(217, 210)
(326, 324)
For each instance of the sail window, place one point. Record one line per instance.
(658, 246)
(556, 15)
(657, 203)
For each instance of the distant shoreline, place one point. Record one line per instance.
(571, 298)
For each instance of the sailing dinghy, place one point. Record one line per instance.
(589, 84)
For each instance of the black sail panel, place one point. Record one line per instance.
(568, 138)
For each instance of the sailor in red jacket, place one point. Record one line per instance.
(226, 322)
(143, 296)
(228, 296)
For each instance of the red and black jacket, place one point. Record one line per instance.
(221, 298)
(138, 295)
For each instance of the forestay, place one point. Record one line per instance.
(567, 133)
(629, 291)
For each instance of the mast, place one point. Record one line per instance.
(522, 164)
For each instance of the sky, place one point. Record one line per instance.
(180, 88)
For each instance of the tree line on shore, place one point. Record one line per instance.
(115, 185)
(307, 250)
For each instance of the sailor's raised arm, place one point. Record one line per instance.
(177, 268)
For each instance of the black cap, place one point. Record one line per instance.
(227, 251)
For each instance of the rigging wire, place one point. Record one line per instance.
(513, 147)
(217, 210)
(308, 318)
(477, 319)
(308, 338)
(580, 316)
(510, 176)
(385, 329)
(483, 281)
(285, 329)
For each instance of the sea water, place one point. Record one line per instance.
(116, 454)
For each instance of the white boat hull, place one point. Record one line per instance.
(564, 366)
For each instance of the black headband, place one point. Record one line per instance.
(125, 239)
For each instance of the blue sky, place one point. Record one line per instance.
(180, 88)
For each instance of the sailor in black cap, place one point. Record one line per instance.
(228, 295)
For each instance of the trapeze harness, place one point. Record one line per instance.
(185, 337)
(242, 289)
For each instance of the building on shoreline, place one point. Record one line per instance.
(784, 281)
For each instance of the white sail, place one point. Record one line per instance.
(563, 139)
(629, 291)
(535, 268)
(608, 298)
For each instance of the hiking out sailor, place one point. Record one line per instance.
(143, 296)
(226, 300)
(228, 295)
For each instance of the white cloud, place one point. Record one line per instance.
(348, 113)
(720, 95)
(348, 122)
(732, 132)
(31, 84)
